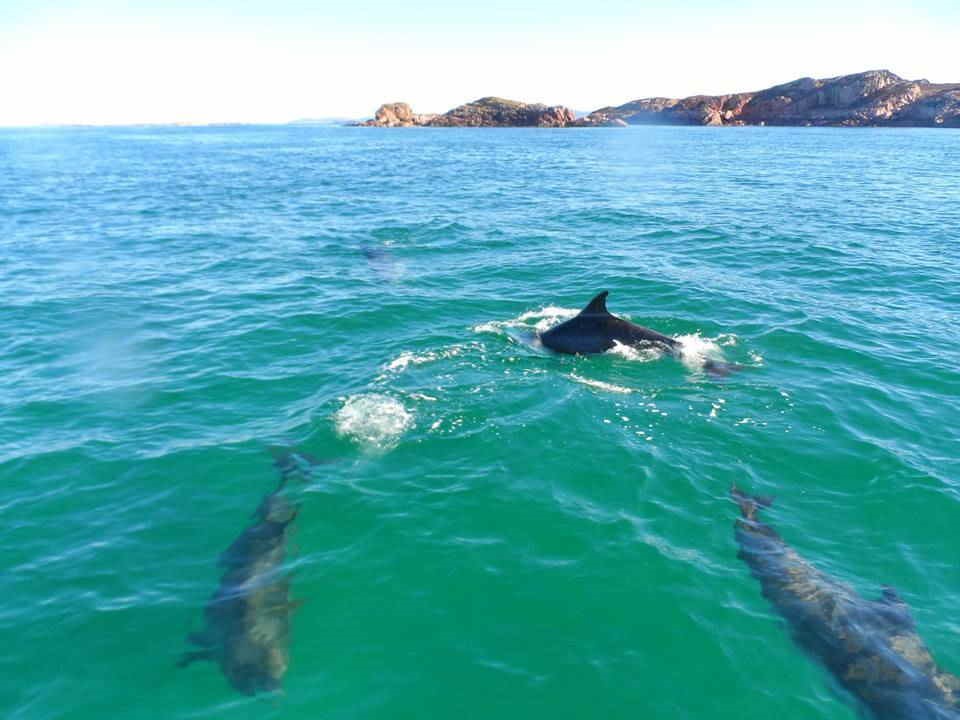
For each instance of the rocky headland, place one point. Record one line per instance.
(867, 99)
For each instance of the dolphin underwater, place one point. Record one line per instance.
(247, 629)
(870, 646)
(596, 330)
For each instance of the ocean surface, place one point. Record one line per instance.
(490, 531)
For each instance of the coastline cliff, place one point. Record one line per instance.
(867, 99)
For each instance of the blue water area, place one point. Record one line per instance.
(488, 530)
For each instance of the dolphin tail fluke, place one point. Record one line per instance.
(597, 306)
(750, 504)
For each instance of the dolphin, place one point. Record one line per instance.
(595, 330)
(870, 646)
(383, 262)
(247, 629)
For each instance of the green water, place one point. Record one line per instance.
(494, 531)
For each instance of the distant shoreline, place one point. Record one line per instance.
(876, 98)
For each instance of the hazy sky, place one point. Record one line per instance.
(128, 61)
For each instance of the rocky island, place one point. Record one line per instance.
(867, 99)
(485, 112)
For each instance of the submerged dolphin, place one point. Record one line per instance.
(595, 330)
(247, 628)
(870, 646)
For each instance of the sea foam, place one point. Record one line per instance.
(407, 358)
(600, 384)
(373, 419)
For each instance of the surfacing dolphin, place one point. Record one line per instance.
(595, 330)
(247, 629)
(870, 646)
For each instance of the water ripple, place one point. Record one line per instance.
(489, 529)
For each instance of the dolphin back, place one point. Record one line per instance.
(596, 330)
(247, 629)
(871, 647)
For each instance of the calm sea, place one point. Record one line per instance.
(494, 532)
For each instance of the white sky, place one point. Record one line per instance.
(101, 62)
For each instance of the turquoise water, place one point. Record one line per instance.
(495, 532)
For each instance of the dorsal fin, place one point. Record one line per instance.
(597, 306)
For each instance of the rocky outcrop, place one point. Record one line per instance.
(397, 115)
(876, 97)
(485, 112)
(498, 112)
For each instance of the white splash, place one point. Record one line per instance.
(716, 407)
(600, 385)
(534, 320)
(493, 327)
(641, 353)
(695, 350)
(422, 396)
(408, 358)
(373, 419)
